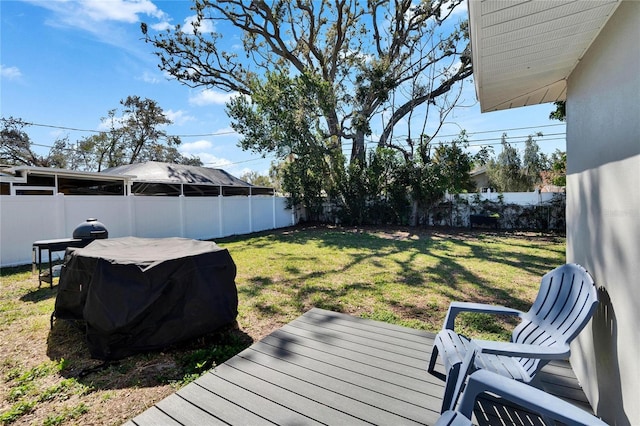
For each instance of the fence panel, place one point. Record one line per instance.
(113, 211)
(25, 219)
(237, 216)
(283, 216)
(202, 217)
(262, 213)
(157, 217)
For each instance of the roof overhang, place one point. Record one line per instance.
(524, 50)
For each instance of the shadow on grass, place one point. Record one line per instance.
(179, 363)
(40, 294)
(448, 273)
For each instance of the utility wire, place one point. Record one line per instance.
(346, 146)
(74, 129)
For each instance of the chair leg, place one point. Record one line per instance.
(452, 379)
(464, 369)
(432, 361)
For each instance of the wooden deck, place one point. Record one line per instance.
(331, 368)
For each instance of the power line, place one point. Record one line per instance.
(499, 131)
(347, 144)
(74, 129)
(51, 126)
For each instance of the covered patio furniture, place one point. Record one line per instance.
(565, 303)
(141, 294)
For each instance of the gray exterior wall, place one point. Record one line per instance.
(603, 212)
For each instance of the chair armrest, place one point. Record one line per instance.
(456, 307)
(525, 396)
(522, 349)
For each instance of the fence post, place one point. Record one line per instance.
(220, 210)
(273, 210)
(250, 200)
(131, 203)
(60, 220)
(181, 214)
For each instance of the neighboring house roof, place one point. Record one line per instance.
(19, 172)
(478, 171)
(523, 51)
(153, 171)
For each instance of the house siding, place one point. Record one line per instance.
(603, 212)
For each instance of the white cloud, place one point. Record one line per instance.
(161, 26)
(210, 160)
(10, 73)
(178, 117)
(102, 18)
(195, 147)
(206, 26)
(120, 10)
(80, 12)
(151, 78)
(227, 131)
(210, 97)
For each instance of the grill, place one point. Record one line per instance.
(91, 229)
(84, 233)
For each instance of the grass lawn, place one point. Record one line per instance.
(399, 275)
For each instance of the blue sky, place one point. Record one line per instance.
(65, 64)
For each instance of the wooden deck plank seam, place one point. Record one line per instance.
(388, 358)
(357, 328)
(390, 330)
(243, 407)
(195, 406)
(363, 370)
(376, 344)
(315, 400)
(328, 367)
(385, 360)
(404, 347)
(349, 383)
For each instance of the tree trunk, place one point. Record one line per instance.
(413, 220)
(358, 149)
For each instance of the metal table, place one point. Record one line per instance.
(52, 246)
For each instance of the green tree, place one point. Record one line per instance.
(16, 147)
(556, 171)
(372, 56)
(505, 173)
(280, 119)
(533, 163)
(135, 136)
(388, 201)
(455, 165)
(255, 178)
(560, 112)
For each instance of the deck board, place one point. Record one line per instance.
(331, 368)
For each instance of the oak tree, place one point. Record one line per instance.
(377, 58)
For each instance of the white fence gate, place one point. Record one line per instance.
(25, 219)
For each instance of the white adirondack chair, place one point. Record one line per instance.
(565, 303)
(547, 406)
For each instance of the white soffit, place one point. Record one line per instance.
(524, 50)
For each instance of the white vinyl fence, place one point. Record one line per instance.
(25, 219)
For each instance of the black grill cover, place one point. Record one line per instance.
(140, 294)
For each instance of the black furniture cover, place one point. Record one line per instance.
(140, 294)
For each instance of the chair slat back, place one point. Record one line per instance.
(565, 303)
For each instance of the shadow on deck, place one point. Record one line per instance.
(330, 368)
